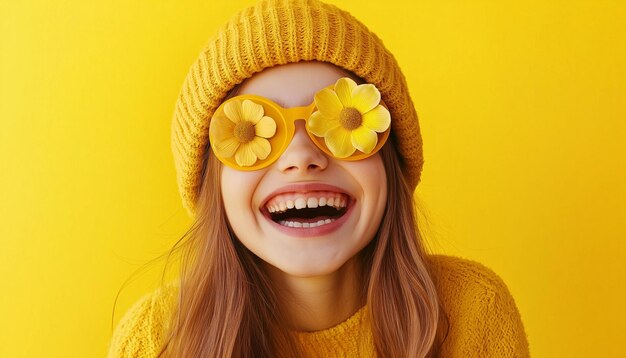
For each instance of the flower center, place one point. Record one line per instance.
(244, 131)
(350, 118)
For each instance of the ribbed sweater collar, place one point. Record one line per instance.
(351, 337)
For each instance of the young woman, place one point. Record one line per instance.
(298, 150)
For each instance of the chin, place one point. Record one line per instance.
(307, 273)
(306, 269)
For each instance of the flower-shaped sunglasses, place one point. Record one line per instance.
(346, 121)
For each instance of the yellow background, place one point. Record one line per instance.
(522, 106)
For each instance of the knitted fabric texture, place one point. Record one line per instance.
(275, 32)
(484, 320)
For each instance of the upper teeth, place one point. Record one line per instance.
(283, 202)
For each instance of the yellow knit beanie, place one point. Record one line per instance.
(276, 32)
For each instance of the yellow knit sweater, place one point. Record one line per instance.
(484, 320)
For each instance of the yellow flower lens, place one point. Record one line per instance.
(242, 132)
(354, 122)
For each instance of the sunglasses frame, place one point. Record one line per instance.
(285, 119)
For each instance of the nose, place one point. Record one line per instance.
(302, 156)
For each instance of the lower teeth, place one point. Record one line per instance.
(305, 225)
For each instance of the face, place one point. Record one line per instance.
(307, 214)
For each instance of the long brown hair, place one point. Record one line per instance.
(227, 306)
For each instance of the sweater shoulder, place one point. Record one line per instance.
(454, 274)
(141, 331)
(483, 318)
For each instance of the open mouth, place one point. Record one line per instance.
(307, 210)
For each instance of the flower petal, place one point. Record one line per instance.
(338, 140)
(328, 103)
(227, 147)
(245, 155)
(344, 88)
(364, 139)
(261, 147)
(319, 124)
(233, 111)
(266, 127)
(365, 97)
(378, 119)
(252, 112)
(221, 127)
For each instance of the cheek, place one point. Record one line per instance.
(376, 183)
(376, 177)
(370, 174)
(237, 192)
